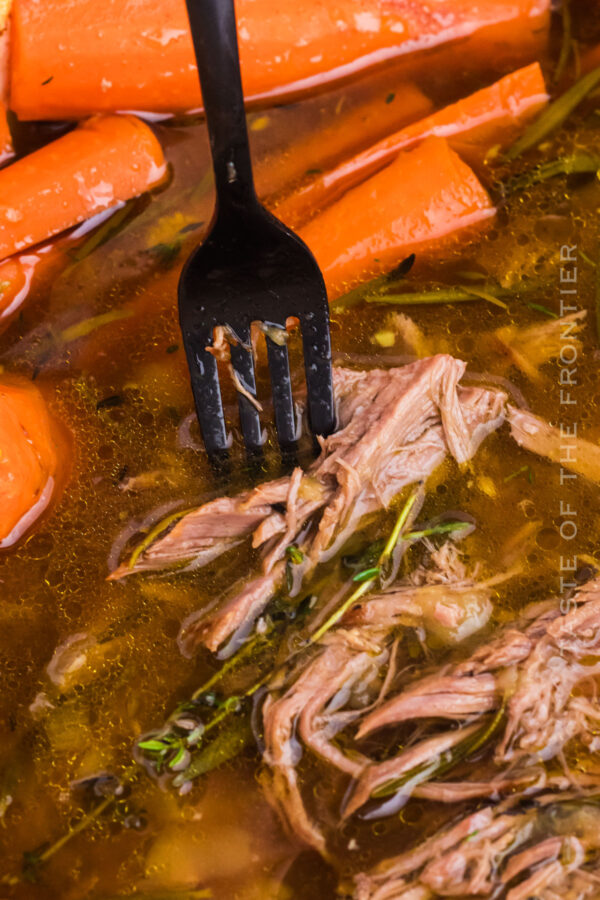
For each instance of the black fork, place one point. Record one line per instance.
(250, 268)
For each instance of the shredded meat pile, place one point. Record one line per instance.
(526, 690)
(516, 703)
(498, 851)
(395, 427)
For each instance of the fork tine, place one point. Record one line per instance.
(317, 363)
(207, 394)
(243, 366)
(281, 388)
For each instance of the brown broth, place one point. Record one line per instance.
(123, 392)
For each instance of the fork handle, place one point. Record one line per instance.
(214, 34)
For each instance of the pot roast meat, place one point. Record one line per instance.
(423, 754)
(396, 427)
(437, 696)
(442, 598)
(338, 664)
(494, 852)
(562, 447)
(539, 668)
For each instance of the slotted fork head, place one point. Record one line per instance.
(251, 268)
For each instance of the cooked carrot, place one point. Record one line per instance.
(425, 194)
(28, 458)
(492, 116)
(6, 145)
(74, 57)
(104, 161)
(346, 131)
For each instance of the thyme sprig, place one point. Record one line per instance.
(555, 114)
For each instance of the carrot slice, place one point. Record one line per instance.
(6, 145)
(28, 459)
(74, 57)
(104, 161)
(345, 132)
(422, 196)
(491, 116)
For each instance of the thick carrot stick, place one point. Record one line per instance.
(104, 161)
(346, 131)
(489, 117)
(29, 459)
(425, 194)
(74, 57)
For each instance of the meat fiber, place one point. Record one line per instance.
(396, 427)
(559, 445)
(539, 667)
(493, 852)
(531, 347)
(339, 665)
(317, 706)
(443, 598)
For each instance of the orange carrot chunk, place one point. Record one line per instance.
(346, 131)
(492, 116)
(424, 195)
(74, 57)
(104, 161)
(6, 145)
(28, 459)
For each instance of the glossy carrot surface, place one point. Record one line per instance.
(6, 146)
(491, 116)
(424, 195)
(28, 458)
(74, 57)
(104, 161)
(348, 129)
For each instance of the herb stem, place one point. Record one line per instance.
(555, 114)
(370, 583)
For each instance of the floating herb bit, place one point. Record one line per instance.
(467, 294)
(576, 164)
(227, 745)
(543, 309)
(87, 326)
(370, 575)
(567, 41)
(373, 287)
(366, 574)
(108, 229)
(442, 528)
(555, 114)
(524, 470)
(366, 559)
(294, 554)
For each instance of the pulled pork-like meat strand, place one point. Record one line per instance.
(540, 667)
(531, 347)
(560, 445)
(542, 713)
(443, 599)
(486, 853)
(423, 754)
(349, 655)
(396, 427)
(339, 665)
(437, 696)
(397, 877)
